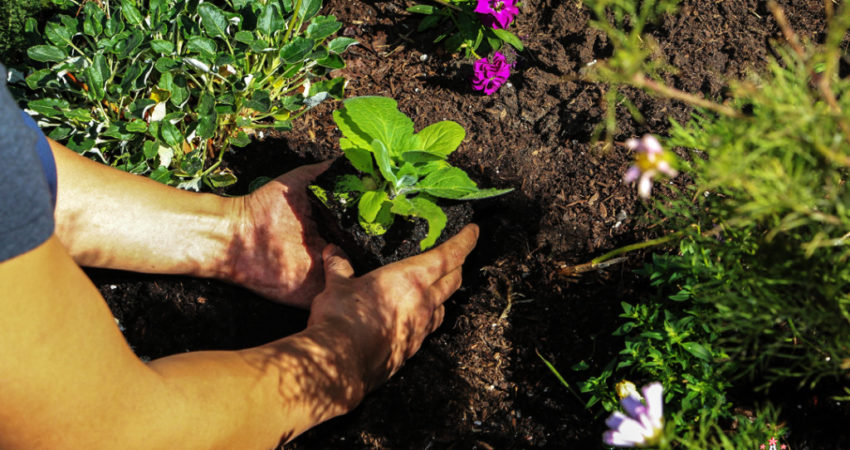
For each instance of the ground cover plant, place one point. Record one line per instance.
(165, 87)
(478, 383)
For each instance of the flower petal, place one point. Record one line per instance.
(645, 184)
(651, 145)
(654, 401)
(617, 439)
(631, 175)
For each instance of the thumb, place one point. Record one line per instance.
(336, 262)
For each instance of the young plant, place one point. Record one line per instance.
(402, 173)
(164, 87)
(474, 26)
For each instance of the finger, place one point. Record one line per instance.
(439, 315)
(435, 264)
(440, 291)
(336, 262)
(311, 171)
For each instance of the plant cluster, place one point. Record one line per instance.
(757, 292)
(401, 173)
(164, 87)
(476, 27)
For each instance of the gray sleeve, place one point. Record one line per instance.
(26, 212)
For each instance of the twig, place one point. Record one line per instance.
(641, 81)
(822, 81)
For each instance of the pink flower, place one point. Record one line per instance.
(650, 160)
(497, 13)
(491, 74)
(643, 424)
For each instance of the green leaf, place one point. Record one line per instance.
(260, 101)
(332, 62)
(370, 204)
(508, 37)
(222, 178)
(137, 126)
(423, 207)
(419, 157)
(428, 22)
(360, 158)
(340, 44)
(245, 37)
(269, 20)
(309, 8)
(130, 12)
(322, 27)
(150, 148)
(349, 183)
(454, 183)
(213, 20)
(161, 174)
(441, 138)
(206, 126)
(48, 107)
(366, 118)
(204, 46)
(697, 350)
(114, 25)
(93, 21)
(164, 64)
(382, 157)
(161, 46)
(421, 9)
(296, 50)
(170, 134)
(240, 140)
(127, 46)
(96, 76)
(46, 53)
(58, 34)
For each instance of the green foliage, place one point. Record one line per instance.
(462, 29)
(401, 172)
(759, 289)
(158, 87)
(16, 29)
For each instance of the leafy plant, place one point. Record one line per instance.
(465, 29)
(757, 292)
(401, 172)
(164, 87)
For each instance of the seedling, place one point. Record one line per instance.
(401, 173)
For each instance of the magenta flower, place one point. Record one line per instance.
(650, 160)
(491, 74)
(644, 423)
(497, 13)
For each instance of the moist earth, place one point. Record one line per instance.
(478, 382)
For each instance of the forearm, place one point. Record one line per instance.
(258, 397)
(111, 219)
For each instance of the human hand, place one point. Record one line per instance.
(388, 312)
(276, 250)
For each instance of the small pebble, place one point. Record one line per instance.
(112, 286)
(423, 57)
(477, 423)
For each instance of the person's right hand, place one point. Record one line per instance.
(388, 312)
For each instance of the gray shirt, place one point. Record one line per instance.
(26, 210)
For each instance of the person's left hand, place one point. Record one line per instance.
(276, 250)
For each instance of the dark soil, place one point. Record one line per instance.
(478, 382)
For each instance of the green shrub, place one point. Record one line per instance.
(164, 87)
(759, 290)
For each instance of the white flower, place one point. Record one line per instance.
(643, 424)
(650, 160)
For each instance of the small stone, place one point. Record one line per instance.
(423, 57)
(477, 423)
(112, 286)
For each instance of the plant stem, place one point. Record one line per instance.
(448, 5)
(640, 81)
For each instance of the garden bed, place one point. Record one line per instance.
(478, 381)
